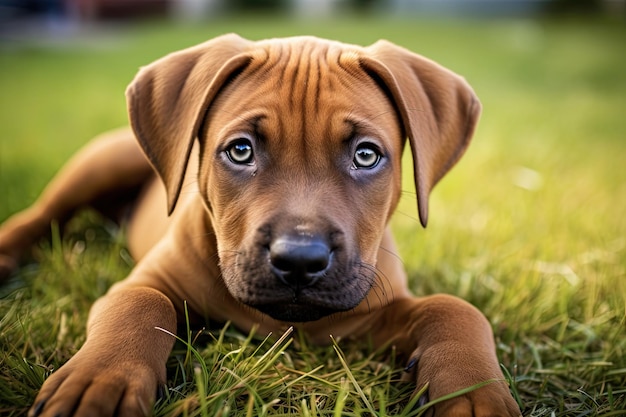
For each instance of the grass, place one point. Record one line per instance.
(530, 226)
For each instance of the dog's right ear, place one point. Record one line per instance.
(169, 98)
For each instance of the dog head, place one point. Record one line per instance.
(301, 142)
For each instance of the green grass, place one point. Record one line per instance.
(530, 226)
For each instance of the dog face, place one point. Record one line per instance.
(300, 173)
(301, 140)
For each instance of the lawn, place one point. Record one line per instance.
(530, 226)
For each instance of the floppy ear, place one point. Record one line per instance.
(168, 99)
(438, 109)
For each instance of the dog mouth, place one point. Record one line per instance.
(298, 277)
(258, 288)
(287, 304)
(294, 313)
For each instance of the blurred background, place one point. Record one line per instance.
(60, 16)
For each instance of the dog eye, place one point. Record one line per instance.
(366, 156)
(240, 152)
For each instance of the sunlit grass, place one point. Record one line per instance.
(529, 227)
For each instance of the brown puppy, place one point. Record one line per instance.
(282, 159)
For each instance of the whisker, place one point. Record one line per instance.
(408, 216)
(410, 193)
(377, 285)
(392, 253)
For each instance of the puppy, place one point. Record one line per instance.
(279, 164)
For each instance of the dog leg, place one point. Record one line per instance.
(111, 163)
(122, 363)
(449, 345)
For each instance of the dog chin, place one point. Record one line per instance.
(294, 313)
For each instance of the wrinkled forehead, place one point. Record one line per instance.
(308, 55)
(307, 68)
(308, 82)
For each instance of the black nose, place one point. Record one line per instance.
(299, 261)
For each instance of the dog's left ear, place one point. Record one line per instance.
(438, 109)
(168, 99)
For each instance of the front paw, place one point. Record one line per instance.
(97, 386)
(459, 382)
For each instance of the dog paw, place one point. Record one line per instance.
(97, 388)
(469, 386)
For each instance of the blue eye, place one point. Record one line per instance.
(241, 152)
(366, 157)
